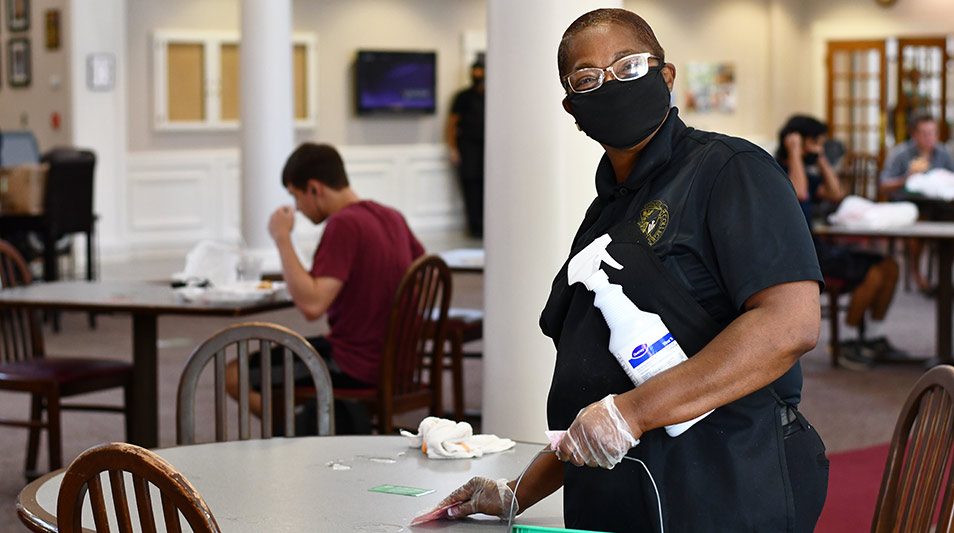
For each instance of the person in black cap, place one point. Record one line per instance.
(711, 238)
(465, 141)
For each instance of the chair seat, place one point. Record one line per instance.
(64, 370)
(465, 315)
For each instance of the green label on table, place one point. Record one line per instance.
(397, 489)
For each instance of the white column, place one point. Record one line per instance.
(539, 181)
(99, 116)
(267, 114)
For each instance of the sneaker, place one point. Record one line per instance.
(880, 348)
(851, 357)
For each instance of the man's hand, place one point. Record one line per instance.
(454, 154)
(599, 436)
(793, 143)
(919, 165)
(281, 222)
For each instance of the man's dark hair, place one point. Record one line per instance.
(319, 162)
(917, 118)
(621, 17)
(808, 127)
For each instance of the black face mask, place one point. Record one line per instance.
(622, 114)
(809, 159)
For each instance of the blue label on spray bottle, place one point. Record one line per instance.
(642, 352)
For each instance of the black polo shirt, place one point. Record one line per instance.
(721, 215)
(469, 105)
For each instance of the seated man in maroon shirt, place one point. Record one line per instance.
(364, 252)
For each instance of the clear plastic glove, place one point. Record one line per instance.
(480, 495)
(599, 436)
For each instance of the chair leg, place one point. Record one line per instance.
(54, 431)
(834, 343)
(33, 440)
(127, 410)
(457, 373)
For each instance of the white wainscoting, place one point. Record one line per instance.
(174, 199)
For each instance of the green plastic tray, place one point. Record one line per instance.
(517, 528)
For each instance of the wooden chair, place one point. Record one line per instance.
(25, 368)
(147, 470)
(859, 175)
(411, 365)
(916, 479)
(463, 326)
(237, 338)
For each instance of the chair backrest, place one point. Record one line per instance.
(238, 339)
(68, 203)
(147, 470)
(411, 365)
(20, 334)
(18, 148)
(859, 175)
(916, 479)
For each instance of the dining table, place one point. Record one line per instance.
(341, 484)
(939, 232)
(145, 301)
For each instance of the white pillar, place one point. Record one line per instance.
(99, 116)
(539, 181)
(267, 116)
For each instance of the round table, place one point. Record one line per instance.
(319, 484)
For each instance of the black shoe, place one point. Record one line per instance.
(880, 348)
(851, 357)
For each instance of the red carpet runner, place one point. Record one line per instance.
(853, 485)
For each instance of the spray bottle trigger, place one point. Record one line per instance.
(608, 259)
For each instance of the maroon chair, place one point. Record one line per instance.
(24, 367)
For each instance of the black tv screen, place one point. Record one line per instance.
(395, 82)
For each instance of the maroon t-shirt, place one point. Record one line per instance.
(369, 247)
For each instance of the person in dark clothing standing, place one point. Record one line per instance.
(465, 140)
(710, 238)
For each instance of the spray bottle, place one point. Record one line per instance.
(640, 341)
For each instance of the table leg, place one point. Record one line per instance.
(144, 425)
(945, 253)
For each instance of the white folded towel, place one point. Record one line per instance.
(855, 211)
(936, 183)
(441, 438)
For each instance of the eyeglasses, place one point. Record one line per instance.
(628, 68)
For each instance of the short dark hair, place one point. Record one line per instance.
(621, 17)
(806, 126)
(312, 161)
(917, 118)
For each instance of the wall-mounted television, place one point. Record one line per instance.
(394, 82)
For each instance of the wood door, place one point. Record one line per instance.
(857, 95)
(922, 83)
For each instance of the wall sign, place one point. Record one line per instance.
(100, 72)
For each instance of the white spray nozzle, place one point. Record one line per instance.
(588, 261)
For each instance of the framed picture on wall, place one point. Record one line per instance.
(18, 15)
(52, 29)
(18, 62)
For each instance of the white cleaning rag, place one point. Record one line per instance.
(855, 211)
(441, 438)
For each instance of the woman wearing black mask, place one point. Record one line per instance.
(870, 277)
(712, 240)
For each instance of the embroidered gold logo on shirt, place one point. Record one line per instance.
(653, 220)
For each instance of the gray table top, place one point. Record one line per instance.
(321, 484)
(141, 297)
(925, 230)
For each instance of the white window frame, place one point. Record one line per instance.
(212, 42)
